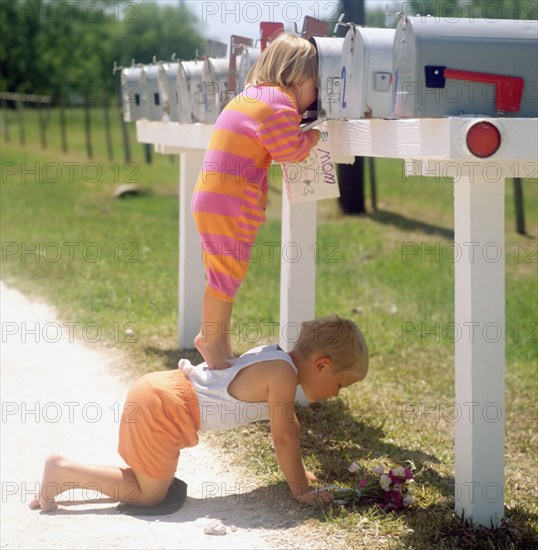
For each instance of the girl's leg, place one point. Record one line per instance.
(121, 484)
(213, 340)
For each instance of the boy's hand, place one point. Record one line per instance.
(311, 476)
(315, 496)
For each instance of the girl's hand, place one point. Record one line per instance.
(316, 496)
(314, 135)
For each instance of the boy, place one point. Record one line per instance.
(165, 410)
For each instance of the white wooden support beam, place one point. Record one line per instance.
(297, 273)
(298, 269)
(479, 348)
(191, 269)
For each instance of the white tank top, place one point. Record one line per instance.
(218, 409)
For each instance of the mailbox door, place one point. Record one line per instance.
(474, 47)
(367, 73)
(215, 83)
(329, 75)
(248, 58)
(131, 93)
(169, 86)
(164, 92)
(151, 107)
(190, 92)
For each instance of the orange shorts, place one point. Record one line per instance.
(160, 417)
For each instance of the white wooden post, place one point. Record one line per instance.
(479, 348)
(191, 269)
(298, 269)
(297, 273)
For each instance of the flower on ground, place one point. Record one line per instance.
(385, 482)
(389, 492)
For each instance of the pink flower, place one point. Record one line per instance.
(378, 469)
(363, 483)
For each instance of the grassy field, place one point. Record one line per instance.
(110, 265)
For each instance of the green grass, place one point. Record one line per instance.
(370, 268)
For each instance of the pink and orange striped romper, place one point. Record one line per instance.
(228, 204)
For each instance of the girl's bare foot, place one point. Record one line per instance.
(212, 352)
(51, 485)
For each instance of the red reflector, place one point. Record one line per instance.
(483, 139)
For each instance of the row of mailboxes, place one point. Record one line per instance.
(183, 91)
(426, 67)
(430, 68)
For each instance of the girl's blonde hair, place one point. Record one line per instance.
(340, 339)
(289, 59)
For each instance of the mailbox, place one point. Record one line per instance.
(248, 58)
(131, 79)
(151, 100)
(215, 82)
(465, 67)
(329, 76)
(168, 78)
(190, 92)
(366, 73)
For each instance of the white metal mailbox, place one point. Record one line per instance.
(329, 76)
(215, 82)
(190, 92)
(169, 91)
(131, 78)
(465, 67)
(151, 102)
(249, 56)
(367, 73)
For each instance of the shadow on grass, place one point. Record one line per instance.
(408, 224)
(333, 436)
(331, 432)
(438, 526)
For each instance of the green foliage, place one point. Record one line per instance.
(67, 50)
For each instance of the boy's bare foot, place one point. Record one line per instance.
(51, 486)
(213, 353)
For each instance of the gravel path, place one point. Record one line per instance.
(63, 396)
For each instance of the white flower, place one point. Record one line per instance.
(399, 471)
(385, 482)
(378, 469)
(408, 500)
(353, 468)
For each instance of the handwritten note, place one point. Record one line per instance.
(315, 178)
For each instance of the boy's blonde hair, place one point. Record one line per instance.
(289, 59)
(340, 339)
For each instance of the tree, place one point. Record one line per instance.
(64, 48)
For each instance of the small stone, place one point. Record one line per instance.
(216, 528)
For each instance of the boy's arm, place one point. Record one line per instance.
(286, 436)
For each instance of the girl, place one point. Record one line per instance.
(261, 124)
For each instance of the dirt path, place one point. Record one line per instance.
(60, 396)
